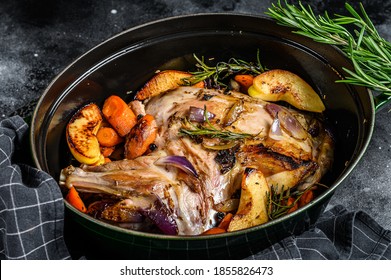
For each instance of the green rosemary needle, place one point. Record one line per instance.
(368, 51)
(277, 203)
(213, 132)
(223, 70)
(209, 130)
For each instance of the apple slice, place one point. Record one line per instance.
(81, 135)
(277, 84)
(254, 197)
(164, 81)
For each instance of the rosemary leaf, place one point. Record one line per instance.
(277, 204)
(202, 131)
(223, 70)
(209, 130)
(212, 132)
(361, 45)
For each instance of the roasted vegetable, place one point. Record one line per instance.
(282, 85)
(164, 81)
(252, 210)
(107, 151)
(74, 199)
(140, 137)
(108, 137)
(292, 203)
(224, 223)
(119, 115)
(81, 135)
(306, 198)
(245, 81)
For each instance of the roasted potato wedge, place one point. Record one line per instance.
(162, 82)
(252, 210)
(81, 135)
(282, 85)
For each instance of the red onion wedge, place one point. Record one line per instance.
(198, 114)
(152, 207)
(287, 121)
(179, 162)
(234, 113)
(162, 217)
(228, 205)
(275, 131)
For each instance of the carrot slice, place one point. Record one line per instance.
(306, 198)
(225, 221)
(74, 199)
(108, 137)
(244, 80)
(107, 160)
(215, 230)
(119, 115)
(290, 201)
(142, 135)
(107, 151)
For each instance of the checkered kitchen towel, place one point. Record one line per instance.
(31, 205)
(32, 217)
(337, 235)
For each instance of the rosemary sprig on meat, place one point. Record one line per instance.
(223, 70)
(212, 132)
(208, 130)
(368, 51)
(278, 203)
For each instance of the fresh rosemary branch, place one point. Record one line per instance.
(210, 131)
(213, 132)
(277, 204)
(368, 51)
(223, 70)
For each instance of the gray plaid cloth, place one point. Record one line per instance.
(32, 217)
(337, 235)
(31, 205)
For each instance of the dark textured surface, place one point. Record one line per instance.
(40, 38)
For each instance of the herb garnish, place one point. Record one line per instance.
(210, 131)
(277, 203)
(368, 51)
(223, 70)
